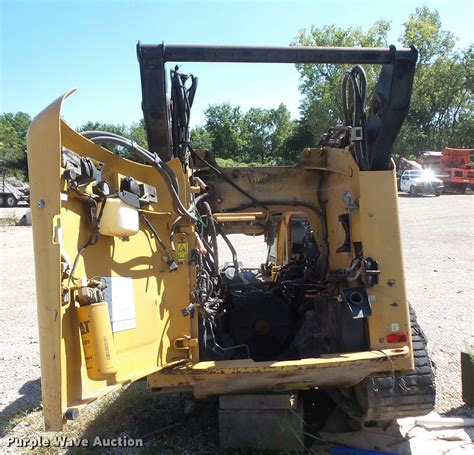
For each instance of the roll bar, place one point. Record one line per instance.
(392, 93)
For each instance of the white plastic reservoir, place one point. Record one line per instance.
(118, 218)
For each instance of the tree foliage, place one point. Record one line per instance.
(13, 130)
(441, 112)
(258, 135)
(200, 138)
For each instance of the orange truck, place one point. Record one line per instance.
(454, 166)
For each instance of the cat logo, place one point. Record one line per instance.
(182, 251)
(84, 326)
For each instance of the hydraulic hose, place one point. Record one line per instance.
(225, 178)
(213, 232)
(165, 171)
(145, 155)
(353, 92)
(231, 248)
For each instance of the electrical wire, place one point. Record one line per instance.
(145, 155)
(93, 237)
(227, 179)
(170, 259)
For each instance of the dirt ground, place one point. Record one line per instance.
(438, 239)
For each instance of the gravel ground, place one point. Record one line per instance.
(19, 348)
(438, 235)
(438, 241)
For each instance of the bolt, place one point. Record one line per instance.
(371, 215)
(41, 203)
(381, 339)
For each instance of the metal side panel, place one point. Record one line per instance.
(44, 140)
(60, 229)
(381, 239)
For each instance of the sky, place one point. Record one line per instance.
(48, 47)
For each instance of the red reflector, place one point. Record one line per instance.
(397, 337)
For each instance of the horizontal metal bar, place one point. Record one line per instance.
(262, 54)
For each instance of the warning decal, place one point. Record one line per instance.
(182, 251)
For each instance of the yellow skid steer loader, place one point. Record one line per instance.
(129, 282)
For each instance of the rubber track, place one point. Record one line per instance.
(389, 397)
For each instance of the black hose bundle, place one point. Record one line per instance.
(181, 102)
(353, 91)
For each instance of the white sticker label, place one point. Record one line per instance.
(395, 327)
(119, 296)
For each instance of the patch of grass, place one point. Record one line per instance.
(167, 423)
(229, 162)
(19, 417)
(135, 413)
(9, 218)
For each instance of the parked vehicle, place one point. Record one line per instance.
(420, 181)
(405, 165)
(455, 167)
(12, 190)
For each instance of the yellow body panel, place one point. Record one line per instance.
(241, 376)
(163, 344)
(60, 229)
(380, 230)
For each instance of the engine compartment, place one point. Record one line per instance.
(286, 312)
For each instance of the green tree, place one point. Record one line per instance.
(201, 138)
(441, 112)
(283, 128)
(13, 131)
(257, 131)
(224, 125)
(136, 132)
(299, 138)
(258, 135)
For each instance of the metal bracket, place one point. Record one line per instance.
(346, 221)
(372, 272)
(351, 205)
(356, 133)
(358, 302)
(185, 342)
